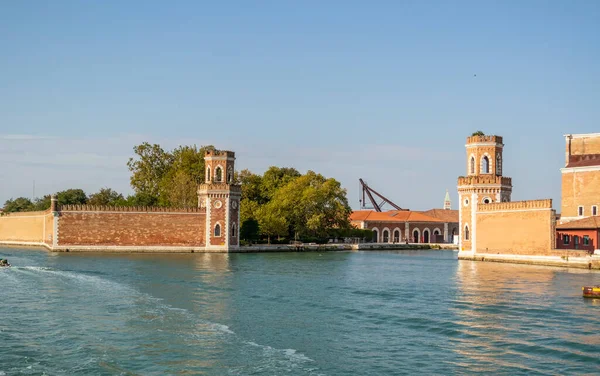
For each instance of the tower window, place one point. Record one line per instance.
(580, 211)
(217, 230)
(219, 174)
(485, 165)
(229, 174)
(233, 232)
(594, 210)
(498, 164)
(472, 165)
(487, 200)
(466, 232)
(207, 173)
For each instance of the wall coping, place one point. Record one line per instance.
(40, 213)
(126, 209)
(515, 205)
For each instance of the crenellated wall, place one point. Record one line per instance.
(484, 139)
(515, 205)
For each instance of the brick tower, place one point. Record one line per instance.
(483, 184)
(221, 199)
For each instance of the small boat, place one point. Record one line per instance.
(591, 291)
(4, 263)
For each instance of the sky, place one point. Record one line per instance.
(386, 91)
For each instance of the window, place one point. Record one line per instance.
(498, 164)
(219, 174)
(485, 165)
(396, 236)
(466, 232)
(233, 232)
(229, 175)
(580, 211)
(472, 165)
(594, 210)
(208, 174)
(386, 236)
(586, 240)
(487, 200)
(566, 239)
(217, 230)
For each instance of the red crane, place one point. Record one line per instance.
(369, 192)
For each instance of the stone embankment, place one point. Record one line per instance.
(566, 259)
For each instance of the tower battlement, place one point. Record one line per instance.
(219, 153)
(484, 139)
(484, 179)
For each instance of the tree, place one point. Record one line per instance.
(249, 230)
(148, 168)
(141, 199)
(71, 197)
(271, 221)
(478, 133)
(251, 186)
(19, 204)
(107, 197)
(182, 191)
(313, 205)
(276, 177)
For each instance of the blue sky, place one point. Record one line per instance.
(380, 90)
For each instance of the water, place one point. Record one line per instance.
(342, 313)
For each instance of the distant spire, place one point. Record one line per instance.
(447, 202)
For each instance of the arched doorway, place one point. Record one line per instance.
(416, 236)
(386, 236)
(396, 236)
(375, 235)
(426, 236)
(436, 236)
(451, 240)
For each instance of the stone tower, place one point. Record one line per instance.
(447, 202)
(220, 197)
(483, 184)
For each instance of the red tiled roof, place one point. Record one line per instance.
(585, 223)
(443, 214)
(392, 216)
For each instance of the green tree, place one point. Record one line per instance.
(141, 199)
(19, 204)
(249, 230)
(275, 178)
(148, 168)
(478, 133)
(251, 186)
(271, 221)
(72, 197)
(182, 191)
(107, 197)
(313, 205)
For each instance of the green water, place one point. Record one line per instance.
(338, 313)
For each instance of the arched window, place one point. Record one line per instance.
(219, 174)
(386, 236)
(466, 232)
(217, 230)
(485, 165)
(472, 165)
(498, 164)
(233, 231)
(396, 236)
(229, 174)
(416, 237)
(207, 173)
(426, 236)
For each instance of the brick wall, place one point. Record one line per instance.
(131, 228)
(29, 227)
(217, 216)
(525, 227)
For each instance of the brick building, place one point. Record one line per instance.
(401, 226)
